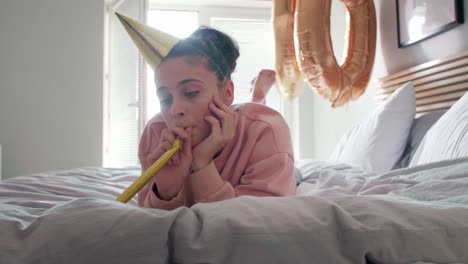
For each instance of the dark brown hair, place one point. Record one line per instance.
(219, 50)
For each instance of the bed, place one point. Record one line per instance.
(405, 207)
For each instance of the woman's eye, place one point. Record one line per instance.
(191, 94)
(165, 102)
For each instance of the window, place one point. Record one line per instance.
(123, 70)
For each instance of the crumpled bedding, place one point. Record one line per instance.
(339, 215)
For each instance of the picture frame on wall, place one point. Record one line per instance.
(421, 19)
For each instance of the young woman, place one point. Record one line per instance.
(228, 150)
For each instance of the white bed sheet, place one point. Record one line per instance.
(340, 215)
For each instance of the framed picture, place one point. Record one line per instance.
(421, 19)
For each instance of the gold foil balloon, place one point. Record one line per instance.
(338, 84)
(288, 76)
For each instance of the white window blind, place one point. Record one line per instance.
(121, 133)
(256, 45)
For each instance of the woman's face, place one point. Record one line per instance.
(185, 88)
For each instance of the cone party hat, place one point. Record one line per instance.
(152, 43)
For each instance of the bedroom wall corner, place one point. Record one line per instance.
(51, 78)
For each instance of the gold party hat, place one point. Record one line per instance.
(153, 44)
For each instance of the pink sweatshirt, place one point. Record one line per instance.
(258, 161)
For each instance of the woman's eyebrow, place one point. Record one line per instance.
(161, 89)
(185, 81)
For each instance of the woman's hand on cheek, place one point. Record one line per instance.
(222, 130)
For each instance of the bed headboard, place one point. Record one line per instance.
(438, 84)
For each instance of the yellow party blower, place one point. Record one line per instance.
(136, 186)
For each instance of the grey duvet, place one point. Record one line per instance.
(339, 215)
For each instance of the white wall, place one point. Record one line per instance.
(51, 79)
(320, 125)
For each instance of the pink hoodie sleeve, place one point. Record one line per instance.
(269, 170)
(146, 196)
(268, 177)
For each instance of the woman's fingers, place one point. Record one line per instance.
(215, 125)
(154, 155)
(225, 110)
(187, 143)
(163, 147)
(216, 110)
(222, 111)
(168, 136)
(226, 116)
(158, 151)
(180, 132)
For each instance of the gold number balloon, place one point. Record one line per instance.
(308, 32)
(288, 76)
(338, 84)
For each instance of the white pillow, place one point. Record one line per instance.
(378, 142)
(447, 138)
